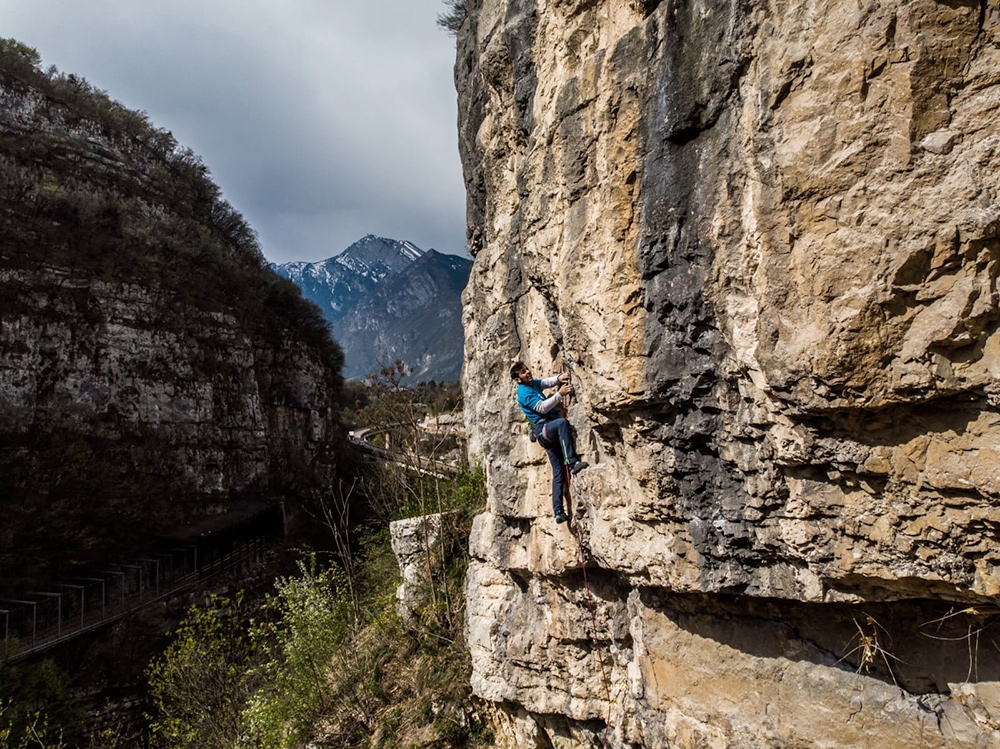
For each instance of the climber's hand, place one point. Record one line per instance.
(566, 389)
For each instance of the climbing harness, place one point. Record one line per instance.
(591, 598)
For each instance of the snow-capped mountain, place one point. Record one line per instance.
(340, 282)
(388, 299)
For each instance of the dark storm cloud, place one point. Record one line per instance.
(322, 120)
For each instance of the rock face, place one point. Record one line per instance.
(763, 237)
(413, 540)
(153, 372)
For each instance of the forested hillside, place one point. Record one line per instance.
(153, 370)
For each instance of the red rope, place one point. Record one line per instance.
(591, 598)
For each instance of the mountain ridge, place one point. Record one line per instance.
(388, 299)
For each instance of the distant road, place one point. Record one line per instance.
(360, 440)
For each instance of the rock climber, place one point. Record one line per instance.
(549, 427)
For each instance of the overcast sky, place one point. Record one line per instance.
(321, 120)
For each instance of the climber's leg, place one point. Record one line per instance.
(558, 431)
(558, 483)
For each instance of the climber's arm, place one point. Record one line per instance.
(561, 381)
(546, 405)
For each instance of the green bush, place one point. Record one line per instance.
(311, 616)
(36, 707)
(326, 659)
(201, 684)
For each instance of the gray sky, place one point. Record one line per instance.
(321, 120)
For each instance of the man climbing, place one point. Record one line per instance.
(549, 427)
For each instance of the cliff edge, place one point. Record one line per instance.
(154, 373)
(763, 237)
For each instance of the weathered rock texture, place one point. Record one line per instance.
(763, 236)
(413, 540)
(152, 371)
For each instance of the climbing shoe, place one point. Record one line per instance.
(562, 517)
(578, 466)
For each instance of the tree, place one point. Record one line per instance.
(34, 734)
(203, 681)
(334, 511)
(412, 480)
(311, 619)
(37, 708)
(20, 53)
(454, 17)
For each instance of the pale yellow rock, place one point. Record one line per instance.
(765, 241)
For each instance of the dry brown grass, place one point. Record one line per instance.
(870, 646)
(394, 689)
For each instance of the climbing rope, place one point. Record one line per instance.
(591, 600)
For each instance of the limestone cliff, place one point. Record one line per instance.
(763, 237)
(153, 371)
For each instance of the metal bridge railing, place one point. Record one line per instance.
(39, 620)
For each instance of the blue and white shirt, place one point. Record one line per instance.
(533, 402)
